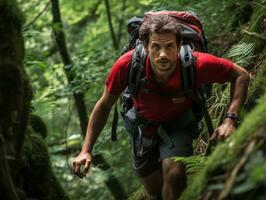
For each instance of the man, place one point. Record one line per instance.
(161, 176)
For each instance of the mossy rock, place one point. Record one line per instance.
(257, 87)
(226, 158)
(14, 14)
(257, 25)
(38, 179)
(38, 125)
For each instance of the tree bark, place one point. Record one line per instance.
(79, 97)
(15, 96)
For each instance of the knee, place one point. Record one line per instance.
(152, 190)
(175, 175)
(153, 184)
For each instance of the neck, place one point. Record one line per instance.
(161, 78)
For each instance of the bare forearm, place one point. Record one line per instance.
(239, 90)
(96, 123)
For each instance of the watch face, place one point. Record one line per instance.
(231, 115)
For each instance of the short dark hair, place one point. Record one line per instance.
(159, 24)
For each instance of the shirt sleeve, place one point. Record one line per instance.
(212, 69)
(117, 78)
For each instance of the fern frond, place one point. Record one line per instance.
(241, 53)
(192, 163)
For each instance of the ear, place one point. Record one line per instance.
(145, 44)
(179, 47)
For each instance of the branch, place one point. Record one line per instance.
(255, 35)
(109, 17)
(121, 22)
(37, 16)
(260, 5)
(91, 16)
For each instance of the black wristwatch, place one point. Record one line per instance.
(232, 116)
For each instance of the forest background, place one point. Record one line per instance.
(70, 46)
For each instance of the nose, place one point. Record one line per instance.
(162, 53)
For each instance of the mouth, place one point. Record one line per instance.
(163, 61)
(164, 67)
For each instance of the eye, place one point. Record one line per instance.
(155, 46)
(171, 45)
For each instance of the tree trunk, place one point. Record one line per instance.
(116, 188)
(61, 45)
(15, 96)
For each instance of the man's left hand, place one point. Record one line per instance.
(224, 130)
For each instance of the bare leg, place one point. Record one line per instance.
(174, 179)
(153, 184)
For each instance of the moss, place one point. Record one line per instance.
(225, 154)
(257, 24)
(14, 14)
(39, 180)
(38, 125)
(257, 87)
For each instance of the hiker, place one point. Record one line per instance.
(156, 110)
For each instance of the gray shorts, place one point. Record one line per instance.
(148, 151)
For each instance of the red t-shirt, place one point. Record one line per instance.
(152, 100)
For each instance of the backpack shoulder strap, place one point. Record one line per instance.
(189, 85)
(136, 68)
(187, 67)
(136, 72)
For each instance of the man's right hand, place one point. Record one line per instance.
(84, 158)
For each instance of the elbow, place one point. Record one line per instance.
(104, 106)
(245, 77)
(241, 75)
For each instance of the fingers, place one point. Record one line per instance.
(217, 136)
(220, 137)
(79, 162)
(76, 167)
(86, 167)
(214, 135)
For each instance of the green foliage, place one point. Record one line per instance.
(193, 163)
(91, 67)
(218, 102)
(257, 25)
(241, 53)
(257, 87)
(140, 194)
